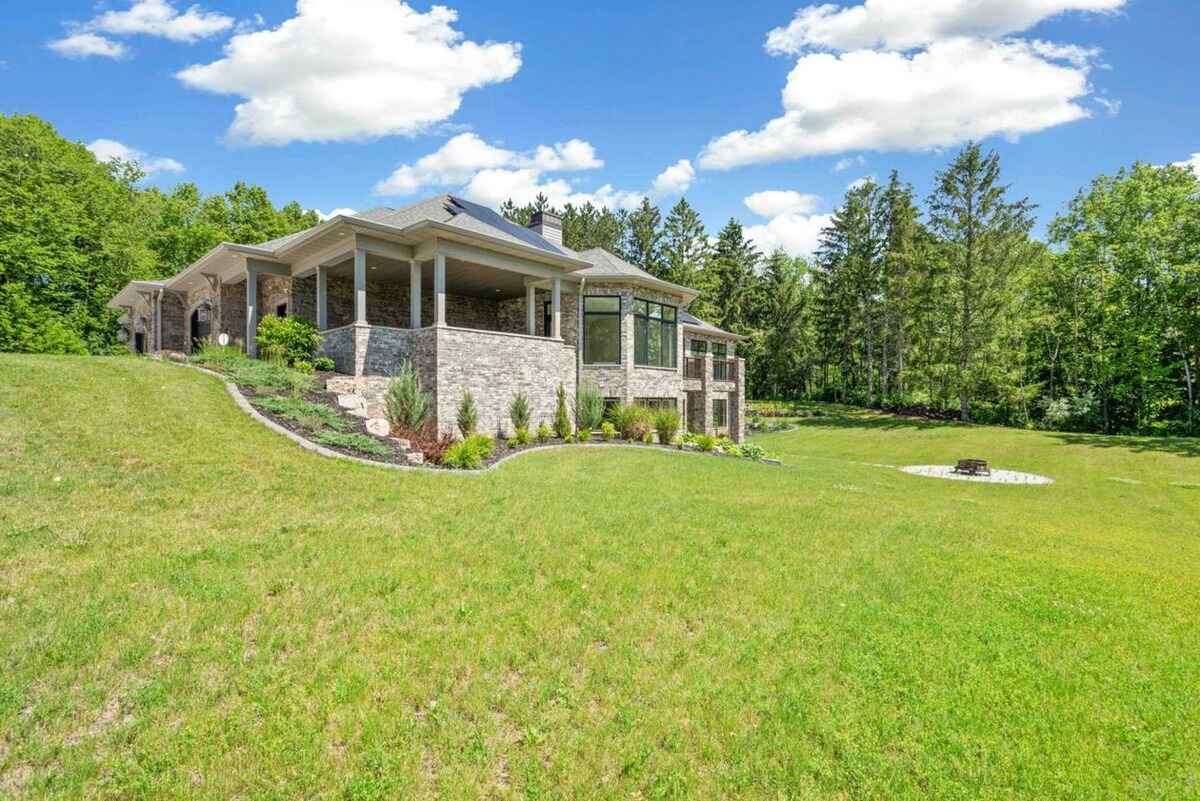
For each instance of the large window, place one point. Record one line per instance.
(654, 334)
(699, 347)
(602, 329)
(720, 412)
(658, 404)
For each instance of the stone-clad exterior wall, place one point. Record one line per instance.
(627, 381)
(494, 367)
(710, 389)
(175, 326)
(233, 312)
(511, 315)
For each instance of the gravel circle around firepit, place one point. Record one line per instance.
(997, 476)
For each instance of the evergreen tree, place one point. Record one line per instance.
(685, 245)
(734, 284)
(644, 238)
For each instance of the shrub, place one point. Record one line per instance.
(666, 423)
(312, 416)
(589, 406)
(705, 442)
(544, 433)
(583, 434)
(429, 442)
(303, 366)
(752, 451)
(518, 411)
(407, 403)
(520, 439)
(325, 364)
(468, 415)
(289, 339)
(608, 431)
(353, 442)
(470, 453)
(247, 372)
(562, 423)
(633, 421)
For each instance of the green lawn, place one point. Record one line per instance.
(193, 607)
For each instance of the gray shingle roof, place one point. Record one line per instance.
(693, 321)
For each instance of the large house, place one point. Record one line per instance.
(475, 302)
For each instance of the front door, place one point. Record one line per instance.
(695, 412)
(199, 328)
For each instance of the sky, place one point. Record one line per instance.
(761, 111)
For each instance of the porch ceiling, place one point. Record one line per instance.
(462, 278)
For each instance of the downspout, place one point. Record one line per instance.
(158, 322)
(579, 336)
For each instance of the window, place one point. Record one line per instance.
(720, 412)
(654, 330)
(281, 310)
(720, 350)
(602, 329)
(699, 347)
(657, 404)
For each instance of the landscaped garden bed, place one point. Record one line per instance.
(298, 399)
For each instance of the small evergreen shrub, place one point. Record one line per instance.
(608, 431)
(544, 433)
(304, 367)
(353, 442)
(520, 439)
(407, 403)
(666, 423)
(325, 364)
(518, 411)
(468, 415)
(589, 407)
(562, 423)
(583, 435)
(287, 339)
(705, 442)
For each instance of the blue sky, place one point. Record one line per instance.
(613, 94)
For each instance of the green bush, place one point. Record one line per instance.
(470, 453)
(518, 411)
(632, 421)
(666, 423)
(303, 366)
(312, 416)
(608, 431)
(290, 339)
(562, 423)
(353, 442)
(705, 442)
(247, 372)
(325, 364)
(407, 403)
(468, 415)
(544, 433)
(583, 435)
(589, 406)
(520, 439)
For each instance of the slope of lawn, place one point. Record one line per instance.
(193, 607)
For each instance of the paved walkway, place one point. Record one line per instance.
(997, 476)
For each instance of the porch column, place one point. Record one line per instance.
(556, 308)
(251, 310)
(322, 299)
(414, 291)
(531, 309)
(360, 286)
(439, 289)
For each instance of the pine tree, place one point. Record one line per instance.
(986, 236)
(644, 238)
(732, 265)
(685, 245)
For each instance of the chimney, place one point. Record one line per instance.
(548, 225)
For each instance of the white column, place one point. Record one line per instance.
(360, 286)
(251, 311)
(556, 308)
(531, 309)
(439, 289)
(322, 299)
(414, 288)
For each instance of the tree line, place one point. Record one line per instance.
(948, 306)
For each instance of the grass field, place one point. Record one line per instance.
(193, 607)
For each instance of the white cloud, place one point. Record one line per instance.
(351, 71)
(83, 45)
(774, 202)
(110, 150)
(160, 18)
(491, 174)
(846, 163)
(1193, 162)
(676, 179)
(953, 91)
(323, 216)
(905, 24)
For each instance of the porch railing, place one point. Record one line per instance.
(693, 367)
(724, 369)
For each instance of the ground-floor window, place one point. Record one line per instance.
(602, 329)
(658, 404)
(281, 310)
(720, 412)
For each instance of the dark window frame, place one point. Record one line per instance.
(658, 404)
(723, 352)
(698, 347)
(720, 420)
(662, 321)
(620, 327)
